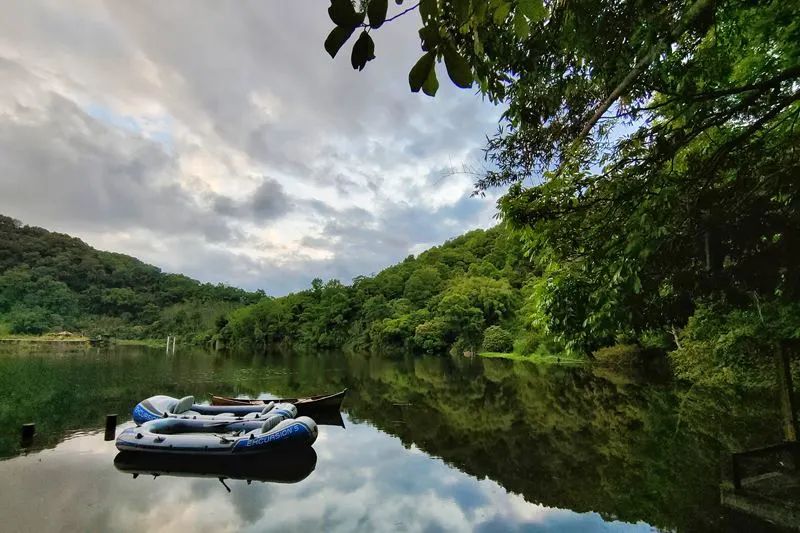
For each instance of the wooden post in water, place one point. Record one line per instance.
(111, 426)
(174, 340)
(28, 431)
(168, 338)
(785, 392)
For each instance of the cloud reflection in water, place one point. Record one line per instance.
(365, 480)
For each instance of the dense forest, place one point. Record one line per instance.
(466, 295)
(52, 282)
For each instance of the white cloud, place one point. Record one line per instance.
(223, 130)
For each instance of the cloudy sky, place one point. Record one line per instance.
(218, 139)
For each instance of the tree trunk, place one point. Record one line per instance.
(786, 393)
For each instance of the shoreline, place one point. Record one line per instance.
(42, 340)
(536, 359)
(79, 340)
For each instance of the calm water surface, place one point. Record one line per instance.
(429, 444)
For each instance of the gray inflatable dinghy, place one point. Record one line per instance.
(157, 407)
(218, 437)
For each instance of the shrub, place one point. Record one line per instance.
(534, 341)
(619, 354)
(31, 320)
(432, 336)
(496, 339)
(655, 339)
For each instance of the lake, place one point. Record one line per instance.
(428, 444)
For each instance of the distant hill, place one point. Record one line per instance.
(51, 281)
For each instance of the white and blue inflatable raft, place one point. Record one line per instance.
(167, 425)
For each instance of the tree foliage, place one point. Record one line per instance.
(496, 339)
(649, 149)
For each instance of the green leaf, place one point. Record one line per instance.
(477, 44)
(480, 11)
(501, 13)
(420, 71)
(336, 39)
(363, 51)
(428, 9)
(533, 9)
(429, 35)
(457, 68)
(462, 10)
(521, 27)
(431, 84)
(342, 13)
(376, 11)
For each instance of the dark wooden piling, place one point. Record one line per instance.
(786, 394)
(111, 426)
(28, 431)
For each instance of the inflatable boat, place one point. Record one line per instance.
(307, 406)
(218, 436)
(157, 407)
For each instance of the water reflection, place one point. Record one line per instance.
(430, 444)
(289, 466)
(365, 480)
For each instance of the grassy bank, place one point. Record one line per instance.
(47, 338)
(536, 358)
(75, 339)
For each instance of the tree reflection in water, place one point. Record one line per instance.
(629, 447)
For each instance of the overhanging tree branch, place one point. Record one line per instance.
(397, 16)
(640, 66)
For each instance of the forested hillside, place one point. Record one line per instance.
(51, 281)
(466, 294)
